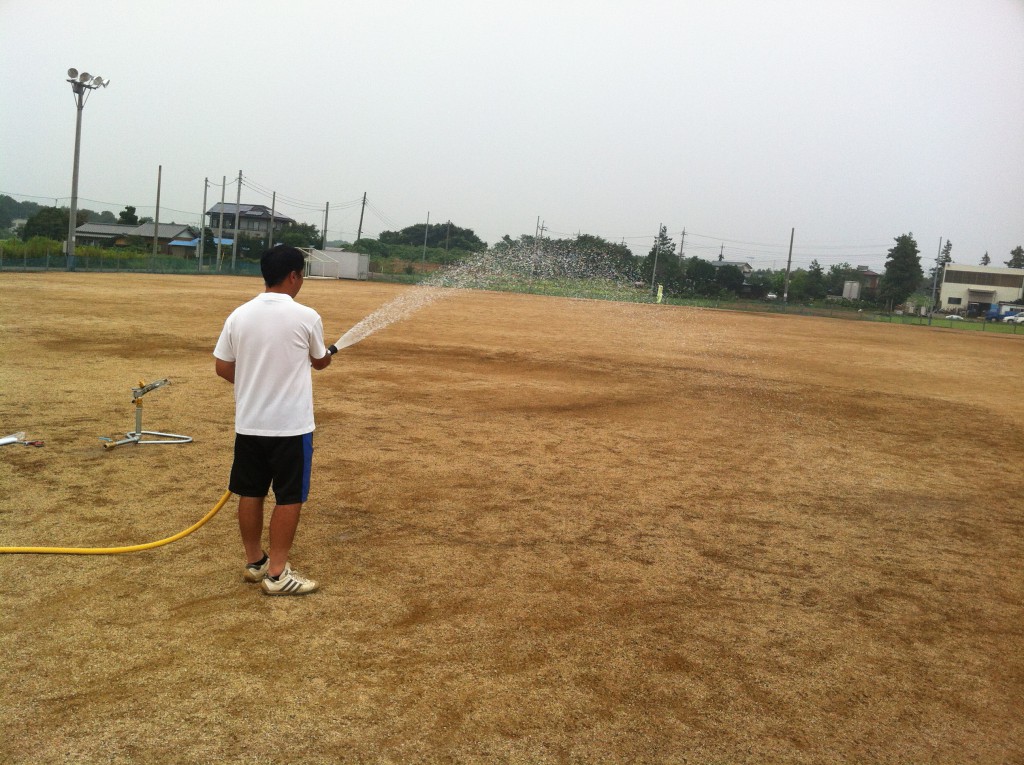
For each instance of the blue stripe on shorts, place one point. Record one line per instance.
(307, 463)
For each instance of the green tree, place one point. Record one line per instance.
(902, 271)
(837, 276)
(51, 223)
(128, 216)
(816, 281)
(603, 257)
(798, 286)
(699, 276)
(661, 264)
(985, 259)
(370, 247)
(729, 278)
(439, 235)
(300, 235)
(1016, 258)
(11, 209)
(764, 280)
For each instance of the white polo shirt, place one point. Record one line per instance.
(271, 340)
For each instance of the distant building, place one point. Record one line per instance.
(122, 234)
(742, 265)
(253, 220)
(868, 279)
(975, 289)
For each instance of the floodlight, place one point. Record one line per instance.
(81, 84)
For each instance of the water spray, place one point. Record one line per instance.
(571, 269)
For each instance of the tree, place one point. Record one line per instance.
(52, 223)
(729, 278)
(947, 254)
(300, 235)
(985, 259)
(596, 256)
(902, 271)
(1016, 258)
(661, 265)
(128, 216)
(763, 281)
(437, 235)
(699, 276)
(11, 210)
(815, 285)
(104, 216)
(837, 276)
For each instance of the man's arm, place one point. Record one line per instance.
(225, 369)
(323, 363)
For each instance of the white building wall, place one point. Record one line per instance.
(957, 295)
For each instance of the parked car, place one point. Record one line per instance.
(771, 296)
(1016, 319)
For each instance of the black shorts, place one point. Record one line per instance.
(284, 462)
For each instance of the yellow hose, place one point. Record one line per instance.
(119, 550)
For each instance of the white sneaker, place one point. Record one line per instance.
(289, 583)
(255, 572)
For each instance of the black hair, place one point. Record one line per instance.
(279, 261)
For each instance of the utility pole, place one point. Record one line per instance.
(721, 252)
(238, 215)
(682, 239)
(789, 262)
(359, 233)
(220, 220)
(323, 236)
(654, 269)
(935, 281)
(156, 222)
(273, 209)
(202, 227)
(425, 230)
(447, 238)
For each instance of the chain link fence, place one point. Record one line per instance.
(96, 259)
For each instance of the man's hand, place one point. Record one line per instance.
(225, 369)
(323, 363)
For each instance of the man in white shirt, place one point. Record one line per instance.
(266, 350)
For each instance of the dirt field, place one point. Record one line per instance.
(547, 530)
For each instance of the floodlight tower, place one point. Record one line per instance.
(81, 85)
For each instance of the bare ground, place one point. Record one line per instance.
(547, 531)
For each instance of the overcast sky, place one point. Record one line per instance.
(738, 120)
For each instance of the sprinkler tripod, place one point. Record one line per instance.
(137, 436)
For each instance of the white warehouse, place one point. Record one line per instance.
(974, 289)
(335, 263)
